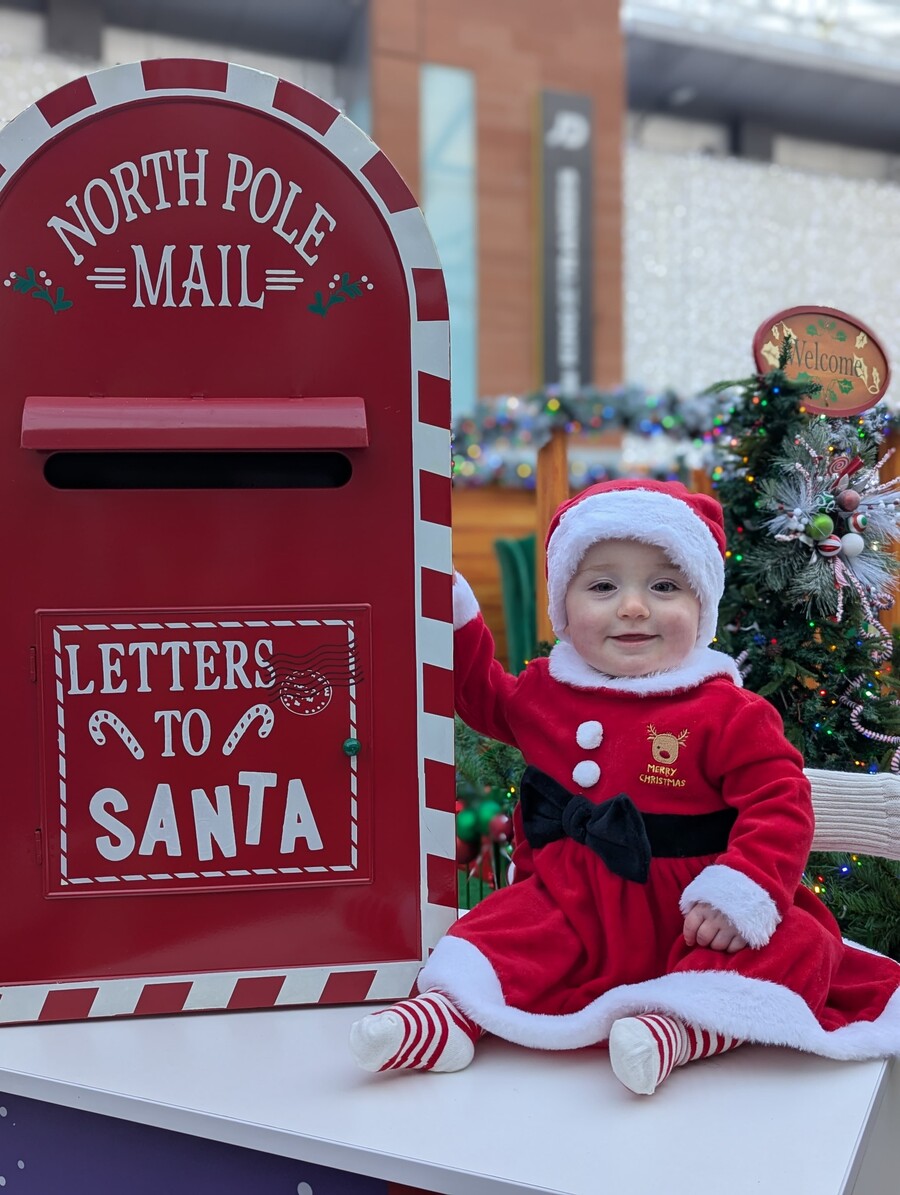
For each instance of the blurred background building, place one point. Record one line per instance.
(742, 156)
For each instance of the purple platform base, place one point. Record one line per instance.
(45, 1148)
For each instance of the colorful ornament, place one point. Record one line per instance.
(820, 526)
(858, 521)
(830, 545)
(487, 811)
(851, 545)
(848, 500)
(467, 826)
(500, 827)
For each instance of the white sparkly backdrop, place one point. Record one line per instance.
(713, 246)
(28, 71)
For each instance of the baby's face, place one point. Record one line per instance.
(629, 610)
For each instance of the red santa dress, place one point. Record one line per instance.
(553, 960)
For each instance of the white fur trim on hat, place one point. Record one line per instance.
(747, 906)
(651, 518)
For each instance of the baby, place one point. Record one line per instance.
(663, 827)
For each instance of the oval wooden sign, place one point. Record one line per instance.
(830, 348)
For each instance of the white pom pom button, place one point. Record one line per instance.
(586, 774)
(589, 735)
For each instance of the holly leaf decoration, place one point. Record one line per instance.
(346, 290)
(24, 285)
(840, 334)
(845, 385)
(812, 329)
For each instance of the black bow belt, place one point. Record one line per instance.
(616, 830)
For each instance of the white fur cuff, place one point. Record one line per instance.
(465, 603)
(747, 906)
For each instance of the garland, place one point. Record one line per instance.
(499, 443)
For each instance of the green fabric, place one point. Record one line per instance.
(517, 585)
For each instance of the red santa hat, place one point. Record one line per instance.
(688, 527)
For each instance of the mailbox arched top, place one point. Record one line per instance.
(167, 203)
(156, 79)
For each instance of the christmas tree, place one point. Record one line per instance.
(810, 528)
(488, 775)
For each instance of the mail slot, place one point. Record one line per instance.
(226, 504)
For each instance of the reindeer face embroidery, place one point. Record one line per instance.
(665, 747)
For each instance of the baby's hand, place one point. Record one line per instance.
(706, 926)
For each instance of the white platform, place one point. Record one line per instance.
(757, 1120)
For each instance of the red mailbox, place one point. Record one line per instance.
(227, 698)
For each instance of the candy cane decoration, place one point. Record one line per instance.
(847, 577)
(95, 726)
(875, 736)
(267, 721)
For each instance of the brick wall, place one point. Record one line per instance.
(516, 49)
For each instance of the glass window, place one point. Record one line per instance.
(447, 153)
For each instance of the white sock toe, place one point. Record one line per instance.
(634, 1055)
(375, 1039)
(425, 1032)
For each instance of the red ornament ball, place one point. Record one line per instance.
(858, 521)
(830, 545)
(848, 500)
(500, 827)
(465, 851)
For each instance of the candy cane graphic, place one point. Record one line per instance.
(267, 721)
(95, 726)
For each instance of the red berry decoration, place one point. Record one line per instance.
(500, 827)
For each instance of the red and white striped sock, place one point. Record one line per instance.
(645, 1050)
(426, 1033)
